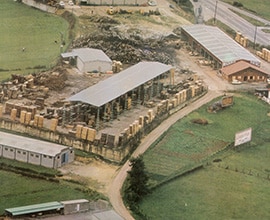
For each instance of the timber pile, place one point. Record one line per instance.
(130, 46)
(34, 86)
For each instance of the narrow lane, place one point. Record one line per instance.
(115, 188)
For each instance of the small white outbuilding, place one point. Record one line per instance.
(34, 151)
(89, 60)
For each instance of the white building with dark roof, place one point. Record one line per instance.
(89, 60)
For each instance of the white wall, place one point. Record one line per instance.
(21, 155)
(100, 66)
(9, 152)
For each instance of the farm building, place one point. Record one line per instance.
(216, 46)
(136, 84)
(244, 72)
(63, 207)
(49, 207)
(89, 60)
(34, 151)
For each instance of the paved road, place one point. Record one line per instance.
(225, 15)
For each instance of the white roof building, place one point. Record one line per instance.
(34, 151)
(90, 60)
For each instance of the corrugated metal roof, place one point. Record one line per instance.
(87, 54)
(219, 44)
(120, 83)
(23, 210)
(30, 144)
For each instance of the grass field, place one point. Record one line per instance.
(237, 187)
(18, 190)
(260, 7)
(25, 27)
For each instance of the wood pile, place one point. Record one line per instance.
(86, 133)
(241, 39)
(9, 106)
(129, 47)
(264, 54)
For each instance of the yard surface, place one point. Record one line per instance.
(235, 186)
(30, 39)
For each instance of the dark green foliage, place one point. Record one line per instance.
(136, 187)
(237, 4)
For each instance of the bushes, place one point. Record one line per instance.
(237, 4)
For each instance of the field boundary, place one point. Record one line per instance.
(191, 167)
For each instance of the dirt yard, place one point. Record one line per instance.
(96, 24)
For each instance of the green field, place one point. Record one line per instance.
(18, 190)
(260, 7)
(236, 187)
(25, 27)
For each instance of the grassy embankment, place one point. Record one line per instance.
(235, 187)
(259, 7)
(25, 184)
(38, 32)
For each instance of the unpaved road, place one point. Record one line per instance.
(116, 185)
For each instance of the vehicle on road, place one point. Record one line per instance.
(236, 82)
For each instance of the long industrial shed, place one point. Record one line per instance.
(216, 46)
(138, 80)
(34, 151)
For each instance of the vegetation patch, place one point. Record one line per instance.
(34, 190)
(33, 40)
(200, 121)
(230, 180)
(259, 7)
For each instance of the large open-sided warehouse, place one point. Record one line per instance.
(136, 84)
(216, 46)
(34, 151)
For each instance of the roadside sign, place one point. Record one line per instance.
(242, 137)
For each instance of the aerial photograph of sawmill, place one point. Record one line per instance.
(134, 109)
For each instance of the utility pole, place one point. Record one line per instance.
(215, 15)
(255, 35)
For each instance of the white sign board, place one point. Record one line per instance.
(242, 137)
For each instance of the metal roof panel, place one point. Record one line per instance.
(22, 210)
(30, 144)
(216, 41)
(120, 83)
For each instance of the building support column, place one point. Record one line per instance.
(97, 118)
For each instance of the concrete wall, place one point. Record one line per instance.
(34, 158)
(75, 206)
(47, 161)
(8, 152)
(40, 6)
(21, 155)
(91, 66)
(99, 66)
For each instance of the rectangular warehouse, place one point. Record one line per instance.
(213, 44)
(34, 151)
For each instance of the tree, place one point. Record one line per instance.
(136, 186)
